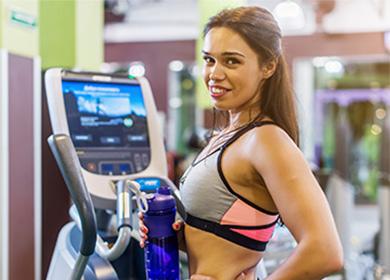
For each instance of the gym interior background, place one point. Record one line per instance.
(339, 57)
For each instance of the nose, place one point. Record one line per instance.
(217, 72)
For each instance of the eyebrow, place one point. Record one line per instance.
(226, 53)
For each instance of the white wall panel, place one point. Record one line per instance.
(4, 195)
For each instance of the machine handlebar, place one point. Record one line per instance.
(68, 162)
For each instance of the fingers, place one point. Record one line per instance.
(143, 234)
(177, 225)
(141, 219)
(143, 230)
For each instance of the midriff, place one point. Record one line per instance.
(221, 259)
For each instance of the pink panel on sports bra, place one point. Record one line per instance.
(262, 235)
(242, 214)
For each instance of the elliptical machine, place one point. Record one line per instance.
(108, 146)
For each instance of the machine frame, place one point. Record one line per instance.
(103, 196)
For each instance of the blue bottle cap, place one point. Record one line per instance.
(161, 200)
(164, 190)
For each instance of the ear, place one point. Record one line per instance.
(269, 68)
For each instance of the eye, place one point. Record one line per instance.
(208, 59)
(232, 61)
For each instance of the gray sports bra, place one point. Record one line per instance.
(212, 205)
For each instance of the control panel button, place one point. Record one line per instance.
(124, 168)
(137, 162)
(145, 159)
(136, 138)
(110, 140)
(107, 168)
(91, 166)
(83, 137)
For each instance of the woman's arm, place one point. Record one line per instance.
(301, 204)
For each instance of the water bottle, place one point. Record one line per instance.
(161, 250)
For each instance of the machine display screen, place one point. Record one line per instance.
(105, 114)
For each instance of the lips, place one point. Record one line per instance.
(217, 91)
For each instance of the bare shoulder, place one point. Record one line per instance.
(270, 145)
(268, 136)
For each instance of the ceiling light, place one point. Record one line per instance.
(176, 66)
(137, 69)
(289, 15)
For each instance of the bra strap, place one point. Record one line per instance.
(245, 129)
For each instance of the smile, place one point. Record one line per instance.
(217, 91)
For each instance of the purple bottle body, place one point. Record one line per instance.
(161, 250)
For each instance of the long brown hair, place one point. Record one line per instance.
(260, 31)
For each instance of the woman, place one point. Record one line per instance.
(251, 173)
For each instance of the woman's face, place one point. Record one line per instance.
(231, 70)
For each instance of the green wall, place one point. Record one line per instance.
(64, 33)
(57, 40)
(71, 34)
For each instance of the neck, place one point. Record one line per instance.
(246, 113)
(243, 117)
